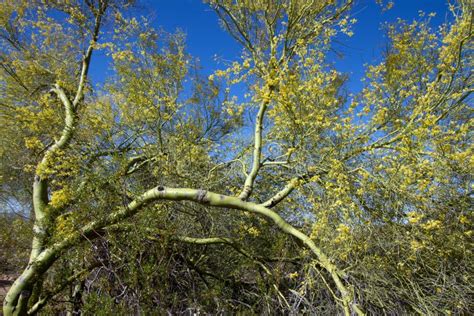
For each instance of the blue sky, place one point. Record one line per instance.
(206, 39)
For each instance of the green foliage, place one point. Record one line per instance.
(366, 197)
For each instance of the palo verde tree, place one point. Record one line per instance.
(369, 191)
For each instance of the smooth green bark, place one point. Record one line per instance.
(48, 256)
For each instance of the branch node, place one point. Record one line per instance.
(201, 196)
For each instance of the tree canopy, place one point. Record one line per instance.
(267, 187)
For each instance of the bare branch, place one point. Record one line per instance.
(257, 151)
(86, 59)
(281, 195)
